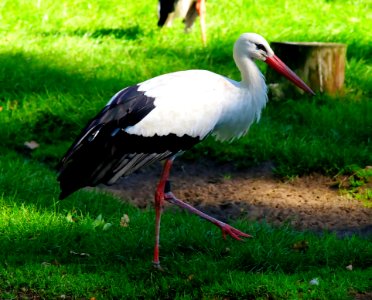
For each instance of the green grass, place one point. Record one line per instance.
(60, 62)
(52, 248)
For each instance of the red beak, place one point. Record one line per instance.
(283, 69)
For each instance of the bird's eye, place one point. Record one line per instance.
(261, 47)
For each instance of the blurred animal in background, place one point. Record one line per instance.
(188, 10)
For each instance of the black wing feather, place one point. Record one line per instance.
(166, 7)
(104, 151)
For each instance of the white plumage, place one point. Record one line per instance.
(206, 103)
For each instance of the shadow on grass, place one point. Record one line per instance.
(42, 100)
(22, 74)
(128, 33)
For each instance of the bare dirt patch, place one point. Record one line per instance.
(308, 202)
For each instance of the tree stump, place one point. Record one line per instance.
(320, 65)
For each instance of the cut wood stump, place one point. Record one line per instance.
(320, 65)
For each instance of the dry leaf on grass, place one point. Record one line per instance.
(301, 246)
(124, 221)
(31, 145)
(349, 267)
(314, 281)
(82, 254)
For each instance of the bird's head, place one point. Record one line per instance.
(254, 46)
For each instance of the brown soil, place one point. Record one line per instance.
(309, 202)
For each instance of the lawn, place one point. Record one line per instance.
(60, 62)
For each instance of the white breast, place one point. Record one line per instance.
(181, 8)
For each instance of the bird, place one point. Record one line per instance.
(162, 117)
(188, 10)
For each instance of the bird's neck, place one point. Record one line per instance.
(252, 78)
(253, 83)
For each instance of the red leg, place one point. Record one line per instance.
(225, 228)
(159, 197)
(201, 9)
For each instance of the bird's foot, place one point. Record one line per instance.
(158, 268)
(233, 232)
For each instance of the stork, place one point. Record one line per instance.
(160, 118)
(188, 10)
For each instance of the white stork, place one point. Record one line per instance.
(166, 115)
(188, 10)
